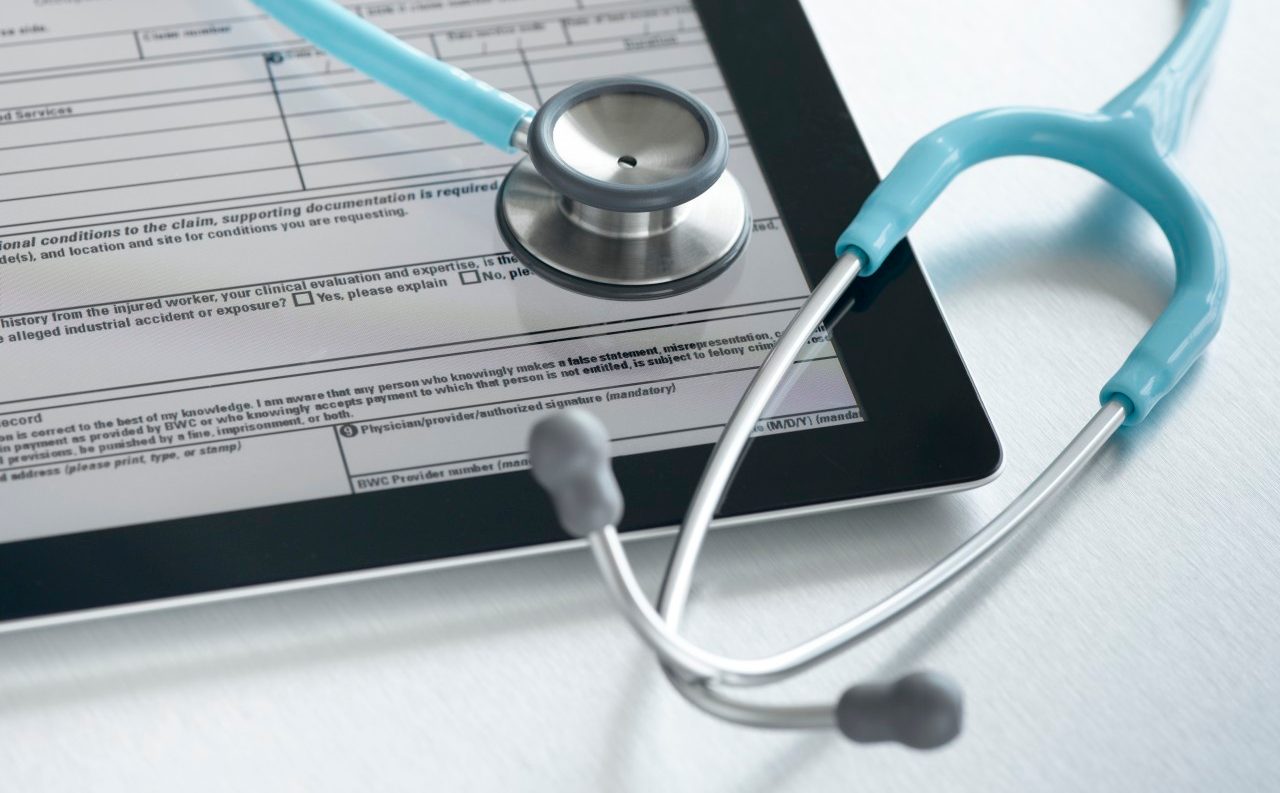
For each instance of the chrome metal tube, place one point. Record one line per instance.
(696, 664)
(520, 137)
(820, 716)
(1083, 448)
(724, 457)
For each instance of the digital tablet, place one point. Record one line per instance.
(259, 330)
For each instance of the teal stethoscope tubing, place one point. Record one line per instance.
(491, 115)
(1128, 143)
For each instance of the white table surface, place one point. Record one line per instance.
(1129, 640)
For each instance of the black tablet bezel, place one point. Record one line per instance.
(925, 428)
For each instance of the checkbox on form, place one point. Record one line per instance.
(303, 298)
(469, 276)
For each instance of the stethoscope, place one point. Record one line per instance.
(625, 194)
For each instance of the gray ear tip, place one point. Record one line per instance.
(558, 436)
(923, 710)
(569, 457)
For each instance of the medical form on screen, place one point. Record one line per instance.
(236, 273)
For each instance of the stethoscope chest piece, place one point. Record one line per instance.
(624, 193)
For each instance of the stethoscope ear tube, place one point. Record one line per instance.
(1127, 145)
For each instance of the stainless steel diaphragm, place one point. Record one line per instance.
(624, 193)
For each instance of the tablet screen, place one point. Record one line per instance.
(235, 273)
